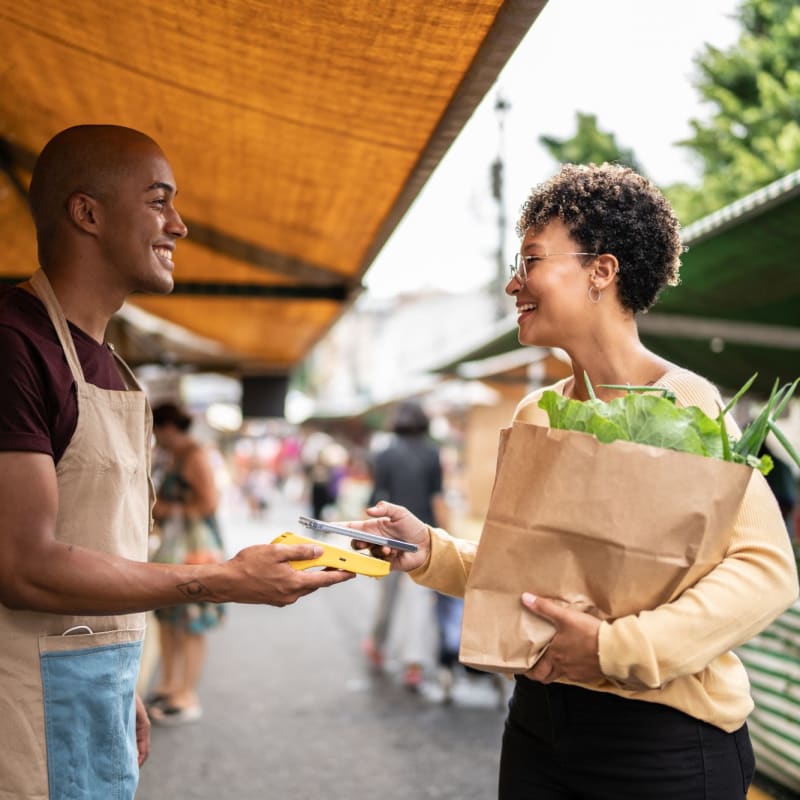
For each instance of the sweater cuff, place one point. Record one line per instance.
(617, 644)
(448, 564)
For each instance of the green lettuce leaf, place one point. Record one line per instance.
(647, 418)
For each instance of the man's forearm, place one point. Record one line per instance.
(68, 579)
(60, 578)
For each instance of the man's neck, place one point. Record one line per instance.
(83, 303)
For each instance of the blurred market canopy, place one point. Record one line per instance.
(299, 134)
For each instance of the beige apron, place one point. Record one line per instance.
(67, 710)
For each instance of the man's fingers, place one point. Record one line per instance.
(327, 577)
(298, 552)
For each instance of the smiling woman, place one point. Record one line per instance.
(652, 704)
(582, 236)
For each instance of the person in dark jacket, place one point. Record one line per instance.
(409, 473)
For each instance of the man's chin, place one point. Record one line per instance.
(164, 285)
(165, 282)
(168, 285)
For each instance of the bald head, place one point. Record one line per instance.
(85, 158)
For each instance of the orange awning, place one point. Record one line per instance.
(299, 134)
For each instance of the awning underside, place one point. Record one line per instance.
(299, 134)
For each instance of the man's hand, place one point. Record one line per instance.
(394, 522)
(40, 573)
(142, 731)
(573, 651)
(262, 574)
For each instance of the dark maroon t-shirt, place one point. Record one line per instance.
(38, 409)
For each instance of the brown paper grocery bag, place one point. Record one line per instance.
(612, 529)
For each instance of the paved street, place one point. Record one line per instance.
(292, 711)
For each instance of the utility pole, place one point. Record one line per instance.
(501, 106)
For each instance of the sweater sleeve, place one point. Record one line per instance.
(448, 564)
(754, 583)
(451, 559)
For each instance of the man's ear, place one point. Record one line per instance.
(83, 211)
(604, 270)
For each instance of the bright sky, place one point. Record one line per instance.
(630, 62)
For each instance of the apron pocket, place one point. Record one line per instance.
(88, 687)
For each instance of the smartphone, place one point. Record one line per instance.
(362, 536)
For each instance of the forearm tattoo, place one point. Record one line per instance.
(194, 590)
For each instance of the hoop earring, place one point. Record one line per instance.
(594, 294)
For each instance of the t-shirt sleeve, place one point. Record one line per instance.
(23, 410)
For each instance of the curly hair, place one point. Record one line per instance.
(612, 209)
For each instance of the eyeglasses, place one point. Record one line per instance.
(519, 269)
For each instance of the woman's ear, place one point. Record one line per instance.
(83, 211)
(604, 270)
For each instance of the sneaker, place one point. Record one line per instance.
(446, 681)
(155, 699)
(412, 677)
(171, 715)
(373, 654)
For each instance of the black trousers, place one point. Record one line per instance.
(567, 743)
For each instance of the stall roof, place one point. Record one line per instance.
(737, 310)
(299, 134)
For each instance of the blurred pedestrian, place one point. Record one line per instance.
(185, 513)
(322, 493)
(257, 488)
(407, 472)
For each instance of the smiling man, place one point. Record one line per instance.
(75, 494)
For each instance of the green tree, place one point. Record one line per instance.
(753, 134)
(589, 145)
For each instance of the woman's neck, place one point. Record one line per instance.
(630, 364)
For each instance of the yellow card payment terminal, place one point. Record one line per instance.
(336, 557)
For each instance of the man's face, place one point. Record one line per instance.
(140, 224)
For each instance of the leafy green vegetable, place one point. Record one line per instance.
(648, 415)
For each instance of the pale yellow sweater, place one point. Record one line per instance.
(679, 654)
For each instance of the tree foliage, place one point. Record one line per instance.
(589, 145)
(753, 134)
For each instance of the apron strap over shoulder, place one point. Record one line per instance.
(45, 293)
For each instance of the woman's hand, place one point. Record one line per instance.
(395, 522)
(573, 651)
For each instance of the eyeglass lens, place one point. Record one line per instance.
(518, 270)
